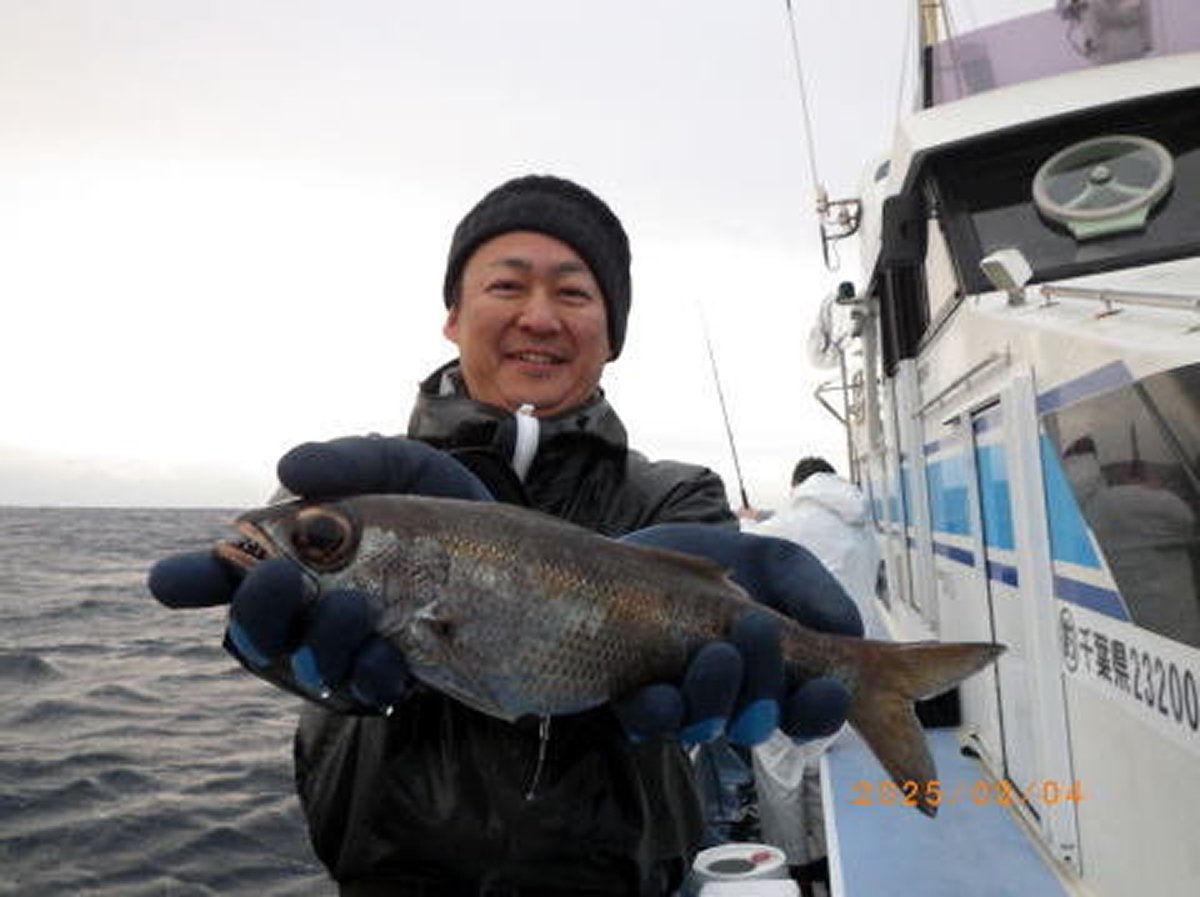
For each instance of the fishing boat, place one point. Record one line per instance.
(1020, 384)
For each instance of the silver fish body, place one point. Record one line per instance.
(514, 612)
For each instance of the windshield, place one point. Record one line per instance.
(1068, 36)
(985, 191)
(1131, 457)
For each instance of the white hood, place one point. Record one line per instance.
(831, 518)
(835, 495)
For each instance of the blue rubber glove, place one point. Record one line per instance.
(737, 687)
(326, 651)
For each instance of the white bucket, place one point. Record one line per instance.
(738, 863)
(774, 887)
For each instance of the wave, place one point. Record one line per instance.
(25, 668)
(136, 758)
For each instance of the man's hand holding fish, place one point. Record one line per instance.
(325, 645)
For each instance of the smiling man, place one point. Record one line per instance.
(538, 292)
(537, 284)
(407, 791)
(530, 325)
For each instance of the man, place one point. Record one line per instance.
(407, 791)
(830, 517)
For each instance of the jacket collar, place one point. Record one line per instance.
(445, 415)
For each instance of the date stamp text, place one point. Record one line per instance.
(1045, 793)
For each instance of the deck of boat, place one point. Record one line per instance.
(877, 846)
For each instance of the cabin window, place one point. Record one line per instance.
(904, 312)
(994, 500)
(986, 193)
(949, 498)
(940, 279)
(1131, 458)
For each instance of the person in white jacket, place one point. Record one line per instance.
(830, 517)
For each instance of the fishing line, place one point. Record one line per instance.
(712, 358)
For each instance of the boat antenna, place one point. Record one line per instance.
(909, 30)
(712, 358)
(808, 128)
(836, 218)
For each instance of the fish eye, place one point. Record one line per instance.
(323, 538)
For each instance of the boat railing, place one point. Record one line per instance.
(851, 389)
(961, 381)
(1111, 298)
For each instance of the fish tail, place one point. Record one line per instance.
(892, 676)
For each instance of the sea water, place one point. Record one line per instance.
(136, 757)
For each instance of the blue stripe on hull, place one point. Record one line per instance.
(954, 553)
(1005, 573)
(1104, 601)
(1110, 376)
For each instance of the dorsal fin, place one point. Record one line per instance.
(690, 563)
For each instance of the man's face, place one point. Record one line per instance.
(530, 324)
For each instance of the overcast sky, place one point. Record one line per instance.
(223, 223)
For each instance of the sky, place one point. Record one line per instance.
(223, 223)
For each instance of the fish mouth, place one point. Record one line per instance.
(254, 547)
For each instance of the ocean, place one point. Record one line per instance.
(136, 757)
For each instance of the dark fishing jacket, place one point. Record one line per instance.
(441, 799)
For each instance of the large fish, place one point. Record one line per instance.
(514, 612)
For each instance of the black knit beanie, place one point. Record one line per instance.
(565, 211)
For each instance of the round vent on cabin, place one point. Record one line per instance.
(1106, 185)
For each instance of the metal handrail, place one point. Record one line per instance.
(1126, 297)
(962, 379)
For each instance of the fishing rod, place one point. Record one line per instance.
(712, 358)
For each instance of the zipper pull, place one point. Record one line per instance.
(526, 442)
(543, 743)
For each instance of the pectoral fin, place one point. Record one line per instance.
(429, 639)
